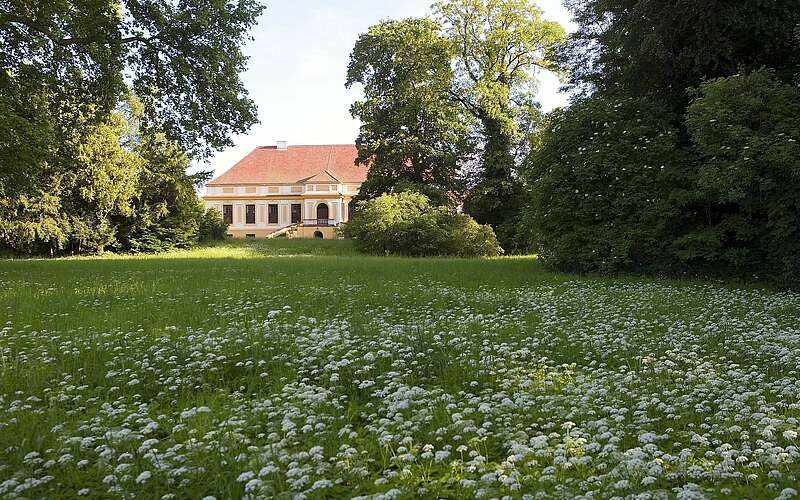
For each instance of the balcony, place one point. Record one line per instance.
(319, 222)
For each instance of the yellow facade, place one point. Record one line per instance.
(291, 210)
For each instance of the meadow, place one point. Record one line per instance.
(297, 369)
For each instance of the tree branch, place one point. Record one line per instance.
(67, 41)
(139, 38)
(31, 25)
(471, 107)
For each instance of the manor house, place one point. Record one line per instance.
(297, 191)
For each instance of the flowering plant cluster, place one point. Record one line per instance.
(400, 388)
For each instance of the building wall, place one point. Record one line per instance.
(328, 233)
(337, 202)
(322, 188)
(242, 233)
(307, 232)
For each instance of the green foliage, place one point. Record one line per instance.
(430, 83)
(407, 224)
(187, 63)
(499, 202)
(177, 56)
(167, 212)
(726, 202)
(80, 173)
(660, 48)
(103, 175)
(68, 196)
(613, 189)
(108, 184)
(600, 175)
(498, 44)
(412, 135)
(27, 134)
(746, 129)
(212, 227)
(33, 224)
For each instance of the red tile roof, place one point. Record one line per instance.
(268, 164)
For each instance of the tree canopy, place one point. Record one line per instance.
(746, 190)
(660, 48)
(182, 59)
(600, 176)
(85, 88)
(412, 135)
(499, 45)
(470, 73)
(110, 185)
(705, 91)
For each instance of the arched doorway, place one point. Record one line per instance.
(323, 218)
(318, 235)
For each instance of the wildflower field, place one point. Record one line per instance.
(299, 370)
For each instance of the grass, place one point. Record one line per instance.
(297, 367)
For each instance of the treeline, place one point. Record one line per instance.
(96, 184)
(449, 102)
(103, 106)
(679, 152)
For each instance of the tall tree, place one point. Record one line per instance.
(167, 212)
(66, 175)
(723, 197)
(183, 59)
(412, 134)
(74, 191)
(659, 48)
(499, 45)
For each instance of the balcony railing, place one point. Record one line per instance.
(318, 222)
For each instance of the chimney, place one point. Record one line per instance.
(283, 145)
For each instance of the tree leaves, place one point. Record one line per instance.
(746, 130)
(470, 73)
(600, 177)
(412, 135)
(498, 45)
(658, 49)
(183, 58)
(80, 168)
(186, 63)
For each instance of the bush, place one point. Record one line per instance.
(212, 226)
(601, 175)
(166, 214)
(746, 129)
(407, 224)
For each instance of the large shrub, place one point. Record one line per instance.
(212, 226)
(746, 129)
(407, 224)
(167, 213)
(600, 174)
(111, 184)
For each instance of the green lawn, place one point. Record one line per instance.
(284, 368)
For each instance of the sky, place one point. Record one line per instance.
(298, 61)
